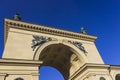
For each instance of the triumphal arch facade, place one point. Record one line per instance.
(28, 46)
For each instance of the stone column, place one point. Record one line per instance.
(2, 76)
(35, 76)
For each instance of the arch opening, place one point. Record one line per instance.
(117, 77)
(61, 57)
(102, 78)
(52, 73)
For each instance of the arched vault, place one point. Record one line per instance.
(62, 56)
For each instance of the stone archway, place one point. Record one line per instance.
(60, 56)
(73, 54)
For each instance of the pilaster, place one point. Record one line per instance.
(3, 76)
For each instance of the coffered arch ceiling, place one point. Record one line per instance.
(62, 58)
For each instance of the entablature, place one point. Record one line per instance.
(9, 23)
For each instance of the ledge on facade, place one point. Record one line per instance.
(88, 66)
(94, 66)
(20, 62)
(114, 66)
(47, 30)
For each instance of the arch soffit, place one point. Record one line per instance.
(116, 73)
(77, 51)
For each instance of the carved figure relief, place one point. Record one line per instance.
(39, 40)
(78, 45)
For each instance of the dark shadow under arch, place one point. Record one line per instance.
(60, 57)
(117, 77)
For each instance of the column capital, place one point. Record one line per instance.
(3, 74)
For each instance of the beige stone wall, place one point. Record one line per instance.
(13, 72)
(12, 69)
(19, 43)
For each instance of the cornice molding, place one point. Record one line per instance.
(114, 66)
(9, 23)
(20, 62)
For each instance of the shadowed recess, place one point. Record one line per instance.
(61, 57)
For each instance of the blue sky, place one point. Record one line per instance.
(100, 18)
